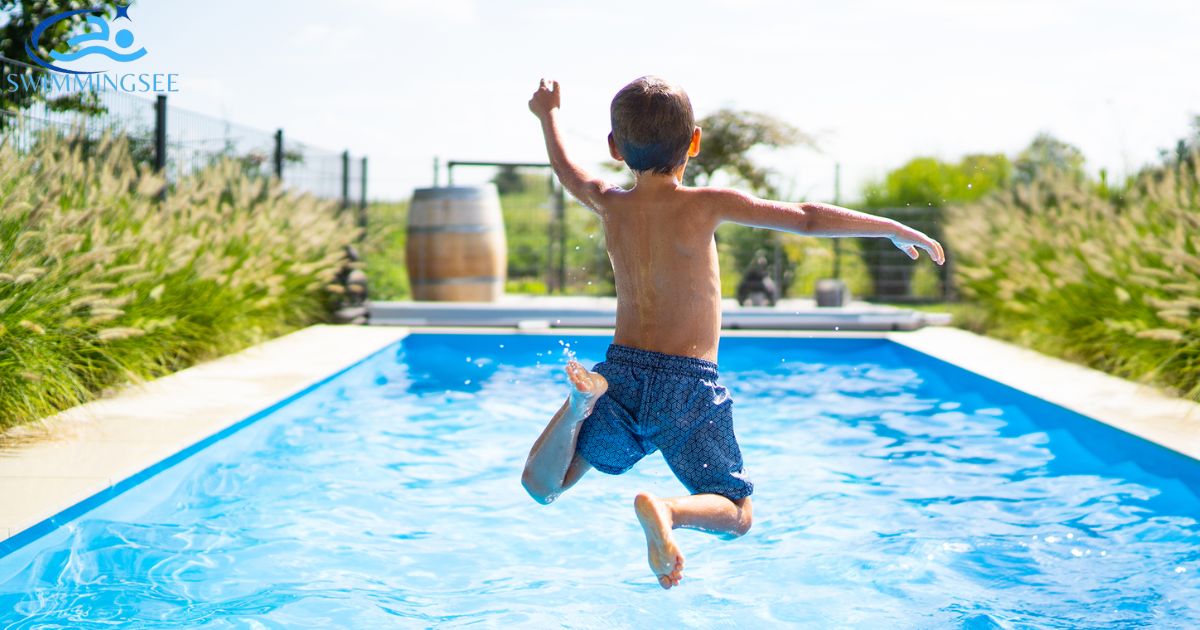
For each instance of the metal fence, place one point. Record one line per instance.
(180, 142)
(892, 271)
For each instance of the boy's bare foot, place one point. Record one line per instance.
(588, 385)
(665, 558)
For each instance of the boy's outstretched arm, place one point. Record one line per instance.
(545, 105)
(821, 219)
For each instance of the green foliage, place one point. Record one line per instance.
(930, 182)
(1111, 281)
(102, 283)
(23, 18)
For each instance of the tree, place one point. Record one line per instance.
(1048, 154)
(729, 136)
(508, 180)
(23, 17)
(930, 182)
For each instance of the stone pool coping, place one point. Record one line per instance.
(84, 451)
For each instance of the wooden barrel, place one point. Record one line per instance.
(456, 249)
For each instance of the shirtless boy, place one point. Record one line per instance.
(657, 388)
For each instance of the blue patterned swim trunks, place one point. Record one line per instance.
(664, 402)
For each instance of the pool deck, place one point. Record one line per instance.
(50, 466)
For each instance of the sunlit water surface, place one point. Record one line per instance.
(891, 491)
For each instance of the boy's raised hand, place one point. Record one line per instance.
(908, 240)
(545, 99)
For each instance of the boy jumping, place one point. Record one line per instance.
(657, 387)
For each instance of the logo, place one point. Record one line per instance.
(122, 47)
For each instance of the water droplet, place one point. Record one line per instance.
(501, 345)
(969, 186)
(1180, 569)
(1070, 535)
(1078, 553)
(467, 382)
(706, 465)
(1104, 553)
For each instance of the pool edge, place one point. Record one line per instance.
(281, 370)
(1140, 410)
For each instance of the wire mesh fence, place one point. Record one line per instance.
(177, 141)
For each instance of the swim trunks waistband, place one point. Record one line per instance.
(686, 366)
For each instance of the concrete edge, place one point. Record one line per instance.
(1131, 407)
(87, 449)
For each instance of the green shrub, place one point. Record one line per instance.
(387, 235)
(1112, 281)
(101, 283)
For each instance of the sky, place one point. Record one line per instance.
(876, 82)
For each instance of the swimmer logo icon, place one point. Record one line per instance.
(97, 40)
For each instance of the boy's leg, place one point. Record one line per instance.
(712, 513)
(553, 465)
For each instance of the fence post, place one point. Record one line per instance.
(279, 153)
(550, 275)
(362, 202)
(160, 133)
(345, 179)
(560, 210)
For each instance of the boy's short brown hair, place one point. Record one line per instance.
(652, 124)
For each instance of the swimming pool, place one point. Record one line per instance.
(891, 488)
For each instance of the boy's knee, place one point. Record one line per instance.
(538, 493)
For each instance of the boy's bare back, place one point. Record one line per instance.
(664, 258)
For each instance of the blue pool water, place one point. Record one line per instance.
(892, 490)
